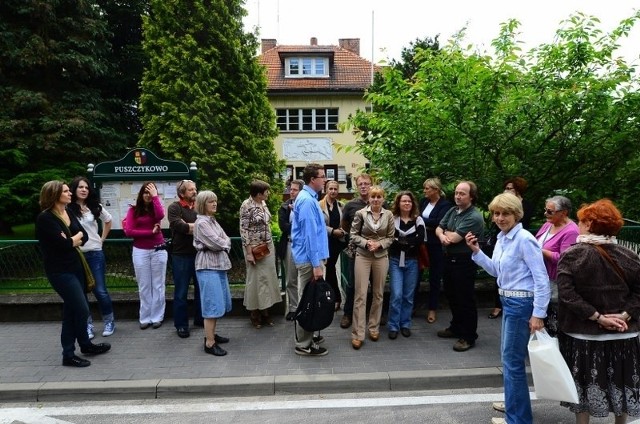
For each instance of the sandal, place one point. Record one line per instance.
(266, 319)
(255, 320)
(431, 316)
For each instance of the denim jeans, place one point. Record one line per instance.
(401, 286)
(516, 312)
(97, 263)
(184, 271)
(75, 309)
(459, 281)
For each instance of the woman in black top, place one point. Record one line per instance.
(60, 234)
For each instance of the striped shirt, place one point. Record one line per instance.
(212, 244)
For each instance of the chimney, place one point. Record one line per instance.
(351, 44)
(314, 41)
(268, 44)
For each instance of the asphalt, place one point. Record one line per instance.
(156, 364)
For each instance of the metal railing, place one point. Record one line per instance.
(21, 268)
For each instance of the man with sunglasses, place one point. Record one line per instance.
(182, 216)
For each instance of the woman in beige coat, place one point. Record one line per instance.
(372, 232)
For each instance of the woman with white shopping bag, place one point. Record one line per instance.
(599, 306)
(524, 291)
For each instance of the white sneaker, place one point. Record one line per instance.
(498, 406)
(495, 420)
(109, 328)
(90, 331)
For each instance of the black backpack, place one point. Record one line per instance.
(317, 306)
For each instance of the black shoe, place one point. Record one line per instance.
(183, 332)
(290, 316)
(494, 315)
(311, 351)
(393, 335)
(220, 339)
(144, 325)
(405, 332)
(447, 334)
(462, 345)
(215, 350)
(318, 339)
(157, 325)
(95, 349)
(75, 361)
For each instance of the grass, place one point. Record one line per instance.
(21, 232)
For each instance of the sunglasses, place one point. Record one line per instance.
(182, 183)
(550, 212)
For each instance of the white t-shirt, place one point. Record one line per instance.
(425, 215)
(91, 227)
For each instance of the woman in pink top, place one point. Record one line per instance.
(149, 254)
(554, 237)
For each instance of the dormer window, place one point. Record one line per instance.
(306, 67)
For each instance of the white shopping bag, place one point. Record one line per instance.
(551, 376)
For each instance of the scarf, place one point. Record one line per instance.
(596, 239)
(403, 234)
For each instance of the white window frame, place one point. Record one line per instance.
(307, 119)
(306, 67)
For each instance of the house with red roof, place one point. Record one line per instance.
(313, 89)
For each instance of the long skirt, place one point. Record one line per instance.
(261, 288)
(606, 373)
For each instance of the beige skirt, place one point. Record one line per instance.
(262, 288)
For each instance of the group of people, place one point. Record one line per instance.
(574, 280)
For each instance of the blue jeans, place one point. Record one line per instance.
(184, 271)
(75, 309)
(401, 286)
(97, 263)
(516, 312)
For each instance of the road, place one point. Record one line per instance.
(451, 407)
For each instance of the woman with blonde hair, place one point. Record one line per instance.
(331, 208)
(517, 264)
(372, 233)
(212, 263)
(599, 308)
(433, 207)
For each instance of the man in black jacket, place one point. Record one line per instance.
(284, 248)
(182, 216)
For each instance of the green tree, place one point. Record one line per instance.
(53, 116)
(204, 98)
(563, 115)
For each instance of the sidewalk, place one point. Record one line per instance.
(149, 364)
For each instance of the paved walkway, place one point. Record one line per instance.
(156, 363)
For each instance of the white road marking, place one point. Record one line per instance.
(33, 415)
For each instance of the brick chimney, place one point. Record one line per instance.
(314, 41)
(351, 44)
(268, 44)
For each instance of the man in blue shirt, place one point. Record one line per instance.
(309, 246)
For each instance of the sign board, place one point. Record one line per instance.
(119, 182)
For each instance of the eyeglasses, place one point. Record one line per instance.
(550, 212)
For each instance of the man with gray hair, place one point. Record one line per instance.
(284, 248)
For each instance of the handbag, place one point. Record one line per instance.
(423, 256)
(260, 251)
(317, 306)
(551, 376)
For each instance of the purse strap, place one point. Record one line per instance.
(615, 266)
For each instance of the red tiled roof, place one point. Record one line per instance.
(347, 70)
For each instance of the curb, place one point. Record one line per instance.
(253, 386)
